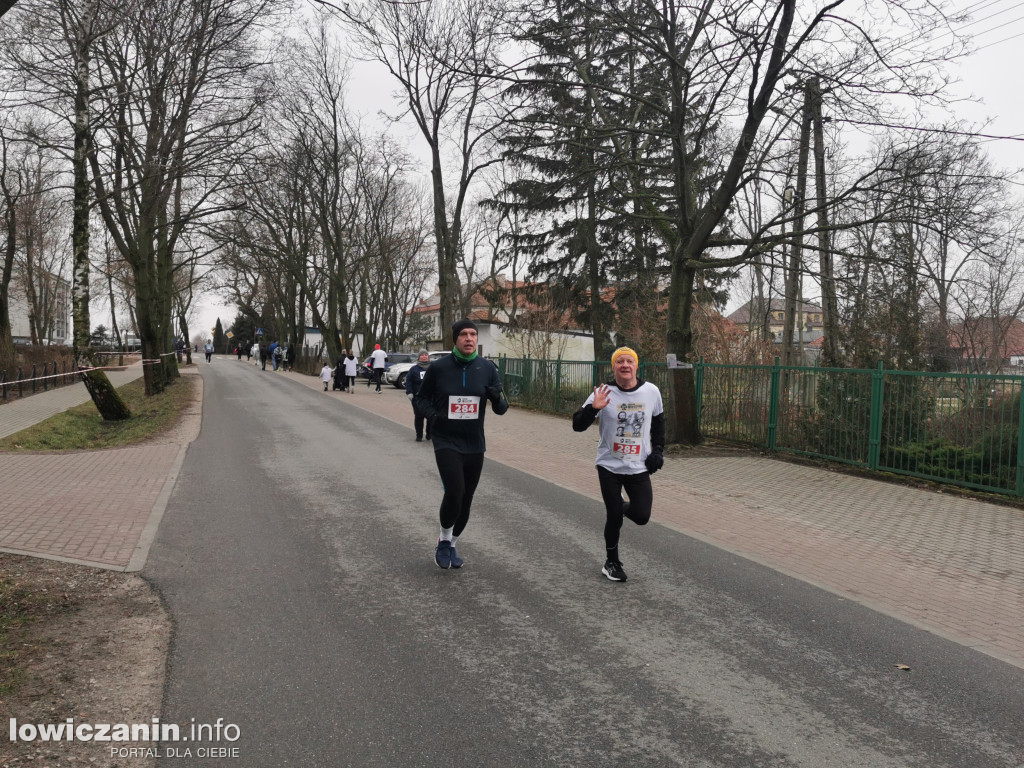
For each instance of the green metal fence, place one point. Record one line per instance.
(962, 429)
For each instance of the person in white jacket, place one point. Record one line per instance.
(326, 374)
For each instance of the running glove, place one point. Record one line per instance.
(493, 394)
(654, 462)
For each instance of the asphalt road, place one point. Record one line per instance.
(295, 557)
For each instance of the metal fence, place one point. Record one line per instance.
(22, 382)
(957, 428)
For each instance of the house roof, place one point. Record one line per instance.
(741, 316)
(974, 338)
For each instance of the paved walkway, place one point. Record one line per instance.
(950, 565)
(98, 508)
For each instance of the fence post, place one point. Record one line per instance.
(699, 375)
(558, 380)
(1019, 486)
(774, 389)
(875, 417)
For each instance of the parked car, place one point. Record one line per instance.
(395, 375)
(394, 358)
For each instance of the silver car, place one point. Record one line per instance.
(395, 374)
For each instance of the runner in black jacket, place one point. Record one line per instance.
(452, 397)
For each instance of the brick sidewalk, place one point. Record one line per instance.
(951, 565)
(98, 508)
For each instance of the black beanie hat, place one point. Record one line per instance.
(459, 326)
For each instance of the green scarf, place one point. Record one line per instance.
(463, 358)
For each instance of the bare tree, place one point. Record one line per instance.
(9, 194)
(714, 107)
(444, 56)
(182, 86)
(42, 236)
(53, 65)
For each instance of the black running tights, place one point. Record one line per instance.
(641, 497)
(460, 473)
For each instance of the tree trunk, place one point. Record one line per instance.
(104, 396)
(684, 426)
(6, 271)
(593, 256)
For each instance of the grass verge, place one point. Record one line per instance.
(82, 428)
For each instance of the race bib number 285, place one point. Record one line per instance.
(463, 407)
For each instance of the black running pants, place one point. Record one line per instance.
(641, 497)
(460, 474)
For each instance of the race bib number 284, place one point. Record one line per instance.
(463, 407)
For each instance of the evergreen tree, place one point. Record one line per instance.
(220, 339)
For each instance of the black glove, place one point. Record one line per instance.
(654, 462)
(493, 394)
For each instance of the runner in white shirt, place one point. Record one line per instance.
(378, 362)
(631, 423)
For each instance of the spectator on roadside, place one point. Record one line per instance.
(325, 374)
(289, 357)
(254, 353)
(339, 373)
(631, 431)
(351, 370)
(208, 349)
(238, 351)
(278, 357)
(264, 354)
(413, 380)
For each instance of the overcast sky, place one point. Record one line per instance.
(989, 94)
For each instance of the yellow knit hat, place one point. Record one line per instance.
(625, 351)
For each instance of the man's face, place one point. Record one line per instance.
(466, 343)
(625, 371)
(424, 358)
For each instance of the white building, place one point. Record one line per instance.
(57, 293)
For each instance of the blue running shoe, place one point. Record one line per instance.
(443, 554)
(456, 560)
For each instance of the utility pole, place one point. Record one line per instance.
(829, 303)
(795, 272)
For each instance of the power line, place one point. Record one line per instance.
(922, 129)
(997, 42)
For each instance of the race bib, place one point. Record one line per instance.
(628, 449)
(463, 407)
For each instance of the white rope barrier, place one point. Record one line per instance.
(77, 371)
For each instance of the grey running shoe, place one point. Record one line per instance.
(443, 554)
(613, 570)
(455, 559)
